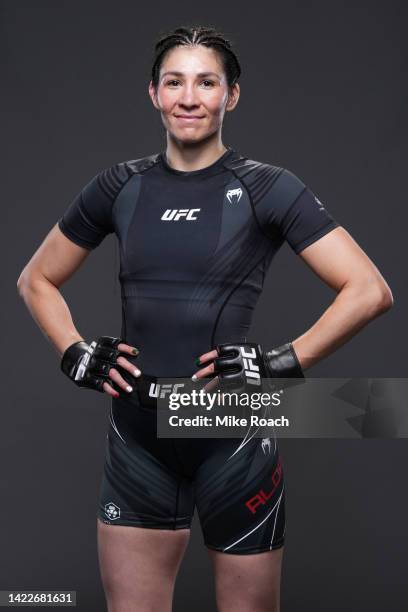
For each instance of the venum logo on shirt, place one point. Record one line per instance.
(234, 195)
(177, 214)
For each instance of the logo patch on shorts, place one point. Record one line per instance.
(112, 511)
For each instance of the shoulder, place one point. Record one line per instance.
(112, 179)
(264, 179)
(241, 164)
(125, 169)
(253, 170)
(138, 166)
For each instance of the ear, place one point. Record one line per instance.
(233, 97)
(153, 95)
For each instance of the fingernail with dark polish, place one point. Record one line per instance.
(135, 351)
(197, 361)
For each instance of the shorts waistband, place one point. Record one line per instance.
(147, 390)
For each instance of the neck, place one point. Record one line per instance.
(194, 156)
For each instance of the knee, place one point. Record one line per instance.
(125, 604)
(247, 601)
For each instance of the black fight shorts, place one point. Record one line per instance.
(236, 484)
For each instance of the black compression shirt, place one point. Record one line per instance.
(194, 247)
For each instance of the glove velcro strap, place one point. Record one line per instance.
(282, 362)
(72, 356)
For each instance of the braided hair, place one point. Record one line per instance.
(197, 35)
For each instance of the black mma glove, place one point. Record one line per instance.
(88, 365)
(245, 365)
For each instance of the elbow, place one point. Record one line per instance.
(23, 282)
(30, 281)
(387, 301)
(372, 298)
(381, 300)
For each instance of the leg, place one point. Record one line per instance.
(139, 566)
(247, 583)
(241, 504)
(145, 511)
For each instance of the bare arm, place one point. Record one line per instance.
(55, 261)
(362, 295)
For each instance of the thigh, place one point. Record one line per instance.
(139, 566)
(248, 583)
(145, 509)
(241, 504)
(142, 483)
(240, 496)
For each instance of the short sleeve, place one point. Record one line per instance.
(88, 219)
(296, 214)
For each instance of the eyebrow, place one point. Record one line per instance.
(200, 74)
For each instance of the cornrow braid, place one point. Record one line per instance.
(197, 35)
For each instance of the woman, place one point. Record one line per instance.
(197, 227)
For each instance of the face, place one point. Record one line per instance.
(192, 94)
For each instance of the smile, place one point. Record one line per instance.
(188, 118)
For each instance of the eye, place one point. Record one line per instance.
(172, 82)
(208, 83)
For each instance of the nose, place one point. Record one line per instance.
(188, 96)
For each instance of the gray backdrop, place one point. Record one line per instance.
(324, 94)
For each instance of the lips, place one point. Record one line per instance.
(188, 117)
